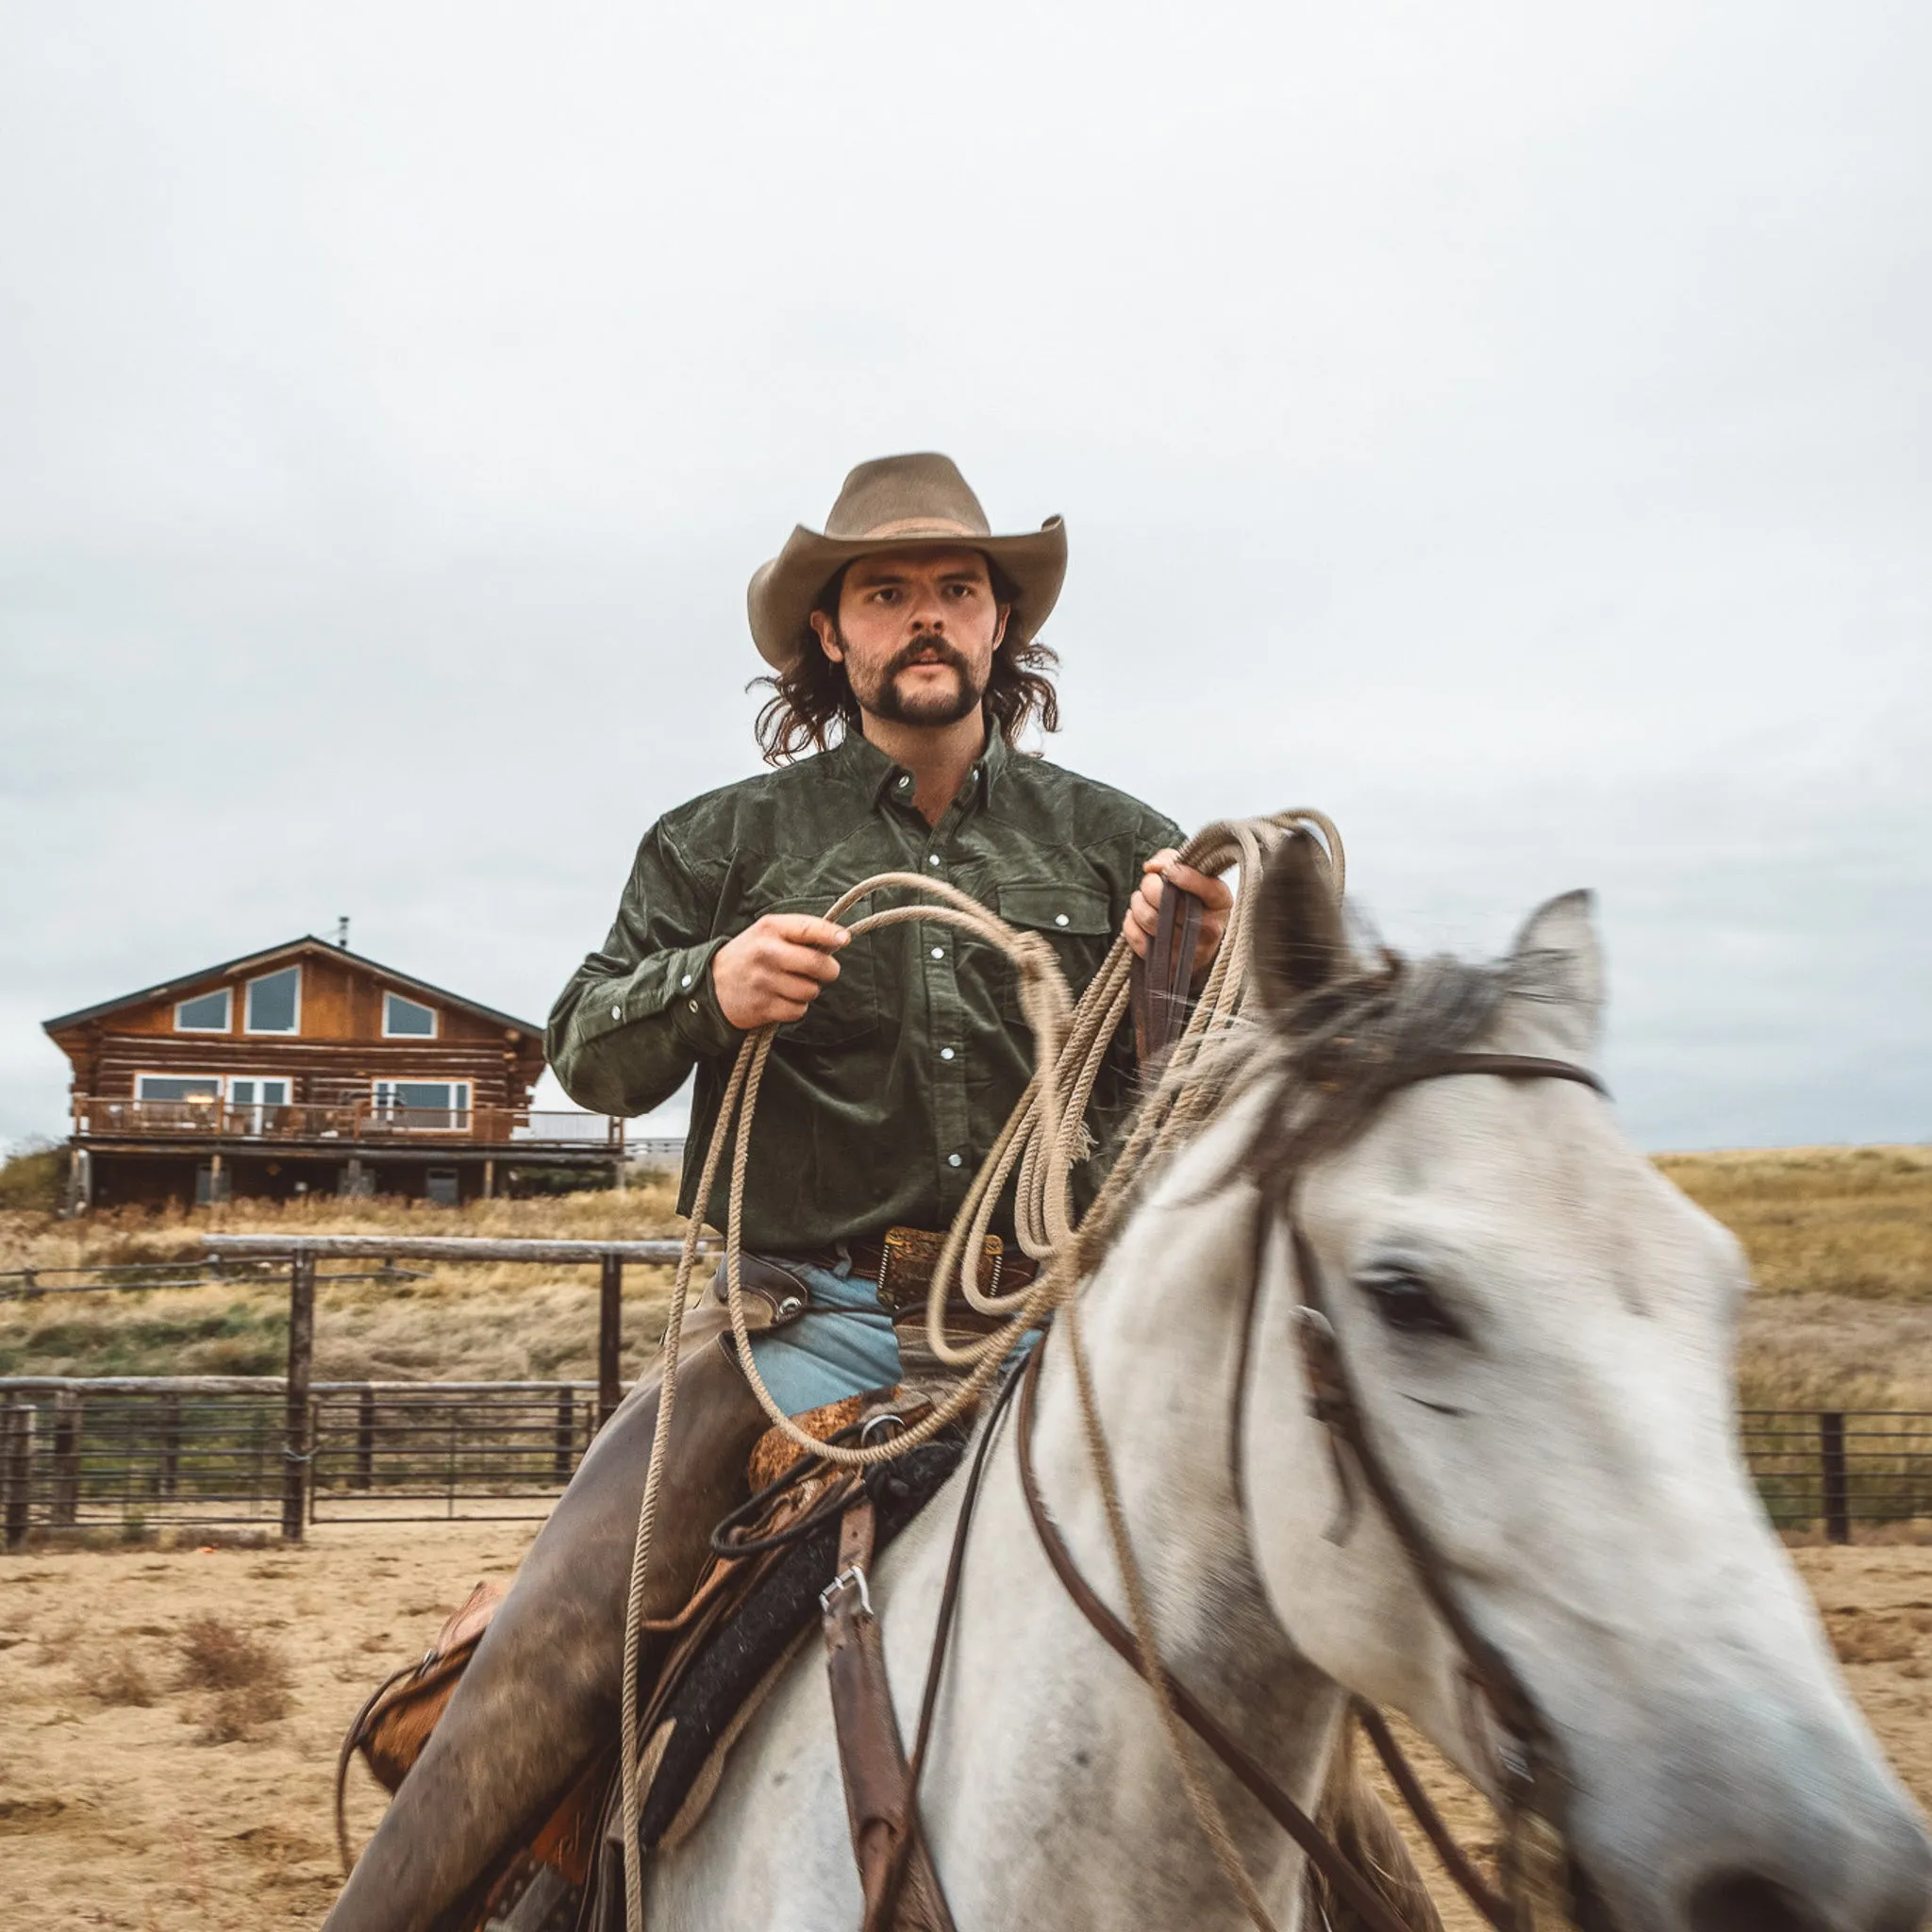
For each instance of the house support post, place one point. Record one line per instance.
(80, 1181)
(489, 1178)
(297, 1444)
(610, 1334)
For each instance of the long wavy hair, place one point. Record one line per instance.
(811, 707)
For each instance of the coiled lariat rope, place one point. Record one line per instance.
(1044, 1136)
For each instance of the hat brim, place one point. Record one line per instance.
(784, 592)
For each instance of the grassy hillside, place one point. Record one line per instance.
(1839, 1220)
(487, 1322)
(1840, 1239)
(1840, 1246)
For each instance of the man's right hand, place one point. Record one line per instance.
(774, 969)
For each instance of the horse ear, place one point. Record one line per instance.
(1559, 989)
(1299, 943)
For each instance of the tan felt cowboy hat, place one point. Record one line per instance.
(899, 503)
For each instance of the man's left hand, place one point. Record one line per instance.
(1143, 910)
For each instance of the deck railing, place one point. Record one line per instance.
(363, 1119)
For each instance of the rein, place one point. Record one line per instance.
(1530, 1774)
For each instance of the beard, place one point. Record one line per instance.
(879, 694)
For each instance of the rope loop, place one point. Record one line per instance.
(1045, 1139)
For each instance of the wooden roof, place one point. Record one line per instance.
(184, 983)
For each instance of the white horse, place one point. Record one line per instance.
(1540, 1330)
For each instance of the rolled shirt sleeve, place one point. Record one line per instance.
(639, 1013)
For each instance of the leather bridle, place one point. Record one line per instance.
(1531, 1778)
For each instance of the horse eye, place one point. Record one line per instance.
(1408, 1306)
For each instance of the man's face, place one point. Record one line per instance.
(916, 632)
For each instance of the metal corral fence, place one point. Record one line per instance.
(132, 1451)
(137, 1454)
(217, 1449)
(149, 1452)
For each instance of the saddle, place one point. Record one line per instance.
(777, 1561)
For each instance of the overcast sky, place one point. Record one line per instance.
(1504, 425)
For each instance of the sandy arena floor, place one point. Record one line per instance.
(120, 1815)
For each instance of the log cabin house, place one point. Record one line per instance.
(308, 1069)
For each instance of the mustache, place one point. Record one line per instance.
(936, 648)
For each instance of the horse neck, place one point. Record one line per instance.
(1162, 1327)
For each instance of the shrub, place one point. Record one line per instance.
(33, 1178)
(247, 1676)
(231, 1716)
(122, 1680)
(215, 1656)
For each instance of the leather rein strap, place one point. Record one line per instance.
(1532, 1780)
(895, 1875)
(1158, 983)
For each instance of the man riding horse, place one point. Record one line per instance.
(904, 642)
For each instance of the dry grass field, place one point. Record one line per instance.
(1840, 1239)
(1840, 1247)
(495, 1322)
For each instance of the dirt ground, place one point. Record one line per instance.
(122, 1813)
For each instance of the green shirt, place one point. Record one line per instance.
(879, 1104)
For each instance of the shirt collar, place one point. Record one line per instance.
(860, 763)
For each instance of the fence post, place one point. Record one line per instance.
(19, 1471)
(66, 1497)
(610, 1334)
(295, 1442)
(1831, 1456)
(564, 1441)
(365, 1439)
(170, 1478)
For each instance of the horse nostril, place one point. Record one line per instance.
(1745, 1902)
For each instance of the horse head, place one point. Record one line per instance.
(1538, 1332)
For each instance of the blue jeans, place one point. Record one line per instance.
(843, 1346)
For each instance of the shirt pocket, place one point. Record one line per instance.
(1076, 919)
(848, 1008)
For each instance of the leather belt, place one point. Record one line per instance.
(901, 1260)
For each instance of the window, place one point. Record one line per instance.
(407, 1018)
(423, 1106)
(206, 1013)
(252, 1089)
(274, 1001)
(205, 1088)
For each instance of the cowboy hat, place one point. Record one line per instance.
(899, 503)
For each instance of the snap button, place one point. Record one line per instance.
(1059, 918)
(904, 782)
(932, 858)
(939, 952)
(945, 1053)
(952, 1160)
(686, 980)
(617, 1012)
(692, 1005)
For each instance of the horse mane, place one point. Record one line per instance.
(1332, 1057)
